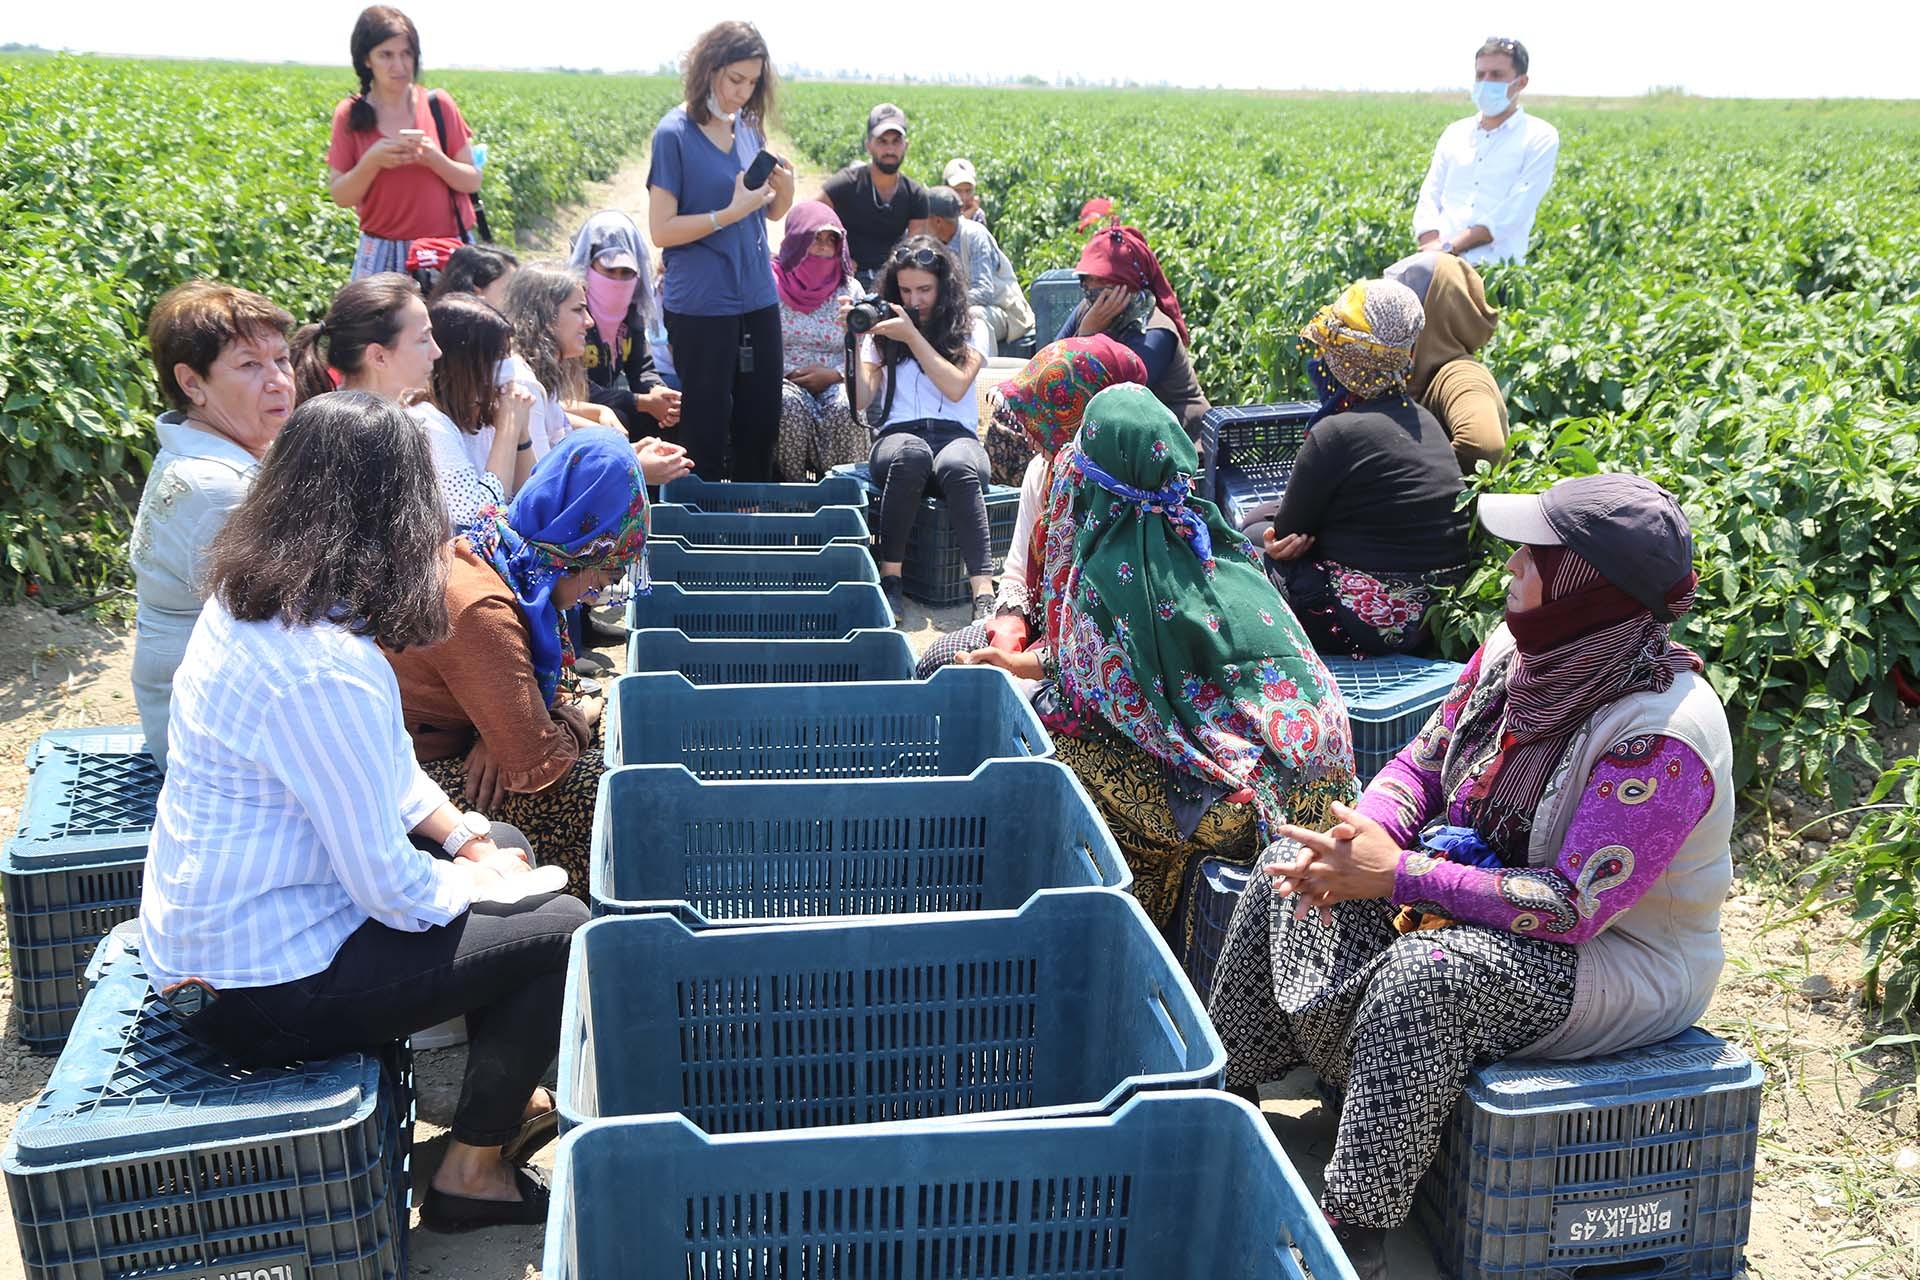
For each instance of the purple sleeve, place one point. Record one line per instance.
(1642, 800)
(1406, 794)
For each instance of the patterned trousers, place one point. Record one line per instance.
(1395, 1020)
(817, 433)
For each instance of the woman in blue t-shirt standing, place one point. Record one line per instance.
(722, 312)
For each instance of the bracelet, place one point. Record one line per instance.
(713, 216)
(524, 444)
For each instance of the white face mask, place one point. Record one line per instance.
(713, 109)
(1491, 96)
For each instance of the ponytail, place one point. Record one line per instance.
(364, 314)
(310, 372)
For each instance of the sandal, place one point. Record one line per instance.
(535, 1133)
(444, 1212)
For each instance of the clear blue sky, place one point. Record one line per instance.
(1764, 49)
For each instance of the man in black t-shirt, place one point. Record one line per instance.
(878, 204)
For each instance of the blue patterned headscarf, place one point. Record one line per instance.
(584, 507)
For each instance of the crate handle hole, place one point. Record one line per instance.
(1634, 1269)
(1099, 871)
(1163, 1012)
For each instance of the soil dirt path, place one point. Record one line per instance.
(1839, 1173)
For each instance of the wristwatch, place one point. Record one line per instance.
(1446, 246)
(471, 827)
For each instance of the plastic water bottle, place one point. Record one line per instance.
(479, 155)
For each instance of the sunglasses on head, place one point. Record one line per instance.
(920, 257)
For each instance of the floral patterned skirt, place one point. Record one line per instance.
(1362, 612)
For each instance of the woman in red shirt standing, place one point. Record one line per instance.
(386, 160)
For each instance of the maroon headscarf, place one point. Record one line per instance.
(1587, 644)
(1121, 253)
(806, 282)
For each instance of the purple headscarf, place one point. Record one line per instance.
(806, 282)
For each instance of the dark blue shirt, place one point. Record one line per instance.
(1155, 347)
(728, 272)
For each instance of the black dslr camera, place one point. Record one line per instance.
(867, 311)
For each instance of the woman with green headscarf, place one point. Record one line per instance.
(1178, 686)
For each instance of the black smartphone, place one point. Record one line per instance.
(760, 170)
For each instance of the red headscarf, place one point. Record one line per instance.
(1121, 253)
(1095, 211)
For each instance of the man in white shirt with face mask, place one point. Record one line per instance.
(1491, 170)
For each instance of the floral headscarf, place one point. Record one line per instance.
(1168, 628)
(584, 507)
(1360, 346)
(1045, 400)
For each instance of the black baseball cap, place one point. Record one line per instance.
(1630, 530)
(886, 116)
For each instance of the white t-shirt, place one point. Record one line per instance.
(547, 424)
(460, 461)
(915, 396)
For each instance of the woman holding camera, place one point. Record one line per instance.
(400, 155)
(918, 365)
(722, 312)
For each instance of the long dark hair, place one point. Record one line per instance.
(344, 523)
(366, 313)
(534, 298)
(720, 45)
(473, 339)
(376, 25)
(471, 268)
(946, 328)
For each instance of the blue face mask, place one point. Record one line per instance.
(1491, 96)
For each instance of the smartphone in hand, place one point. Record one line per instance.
(760, 170)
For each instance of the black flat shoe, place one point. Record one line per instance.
(1366, 1249)
(450, 1213)
(604, 633)
(896, 599)
(534, 1134)
(589, 663)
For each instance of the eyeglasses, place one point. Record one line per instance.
(1503, 41)
(921, 257)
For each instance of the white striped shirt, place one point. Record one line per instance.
(282, 826)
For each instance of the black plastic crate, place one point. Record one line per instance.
(1215, 894)
(933, 572)
(1638, 1164)
(73, 871)
(1248, 452)
(149, 1154)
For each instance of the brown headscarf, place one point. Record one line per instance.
(1459, 321)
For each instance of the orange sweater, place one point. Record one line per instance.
(479, 683)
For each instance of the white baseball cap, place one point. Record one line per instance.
(958, 171)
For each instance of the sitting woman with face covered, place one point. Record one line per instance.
(610, 256)
(493, 709)
(1539, 873)
(1176, 685)
(812, 272)
(1129, 299)
(1369, 533)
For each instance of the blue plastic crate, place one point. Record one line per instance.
(761, 615)
(74, 869)
(819, 528)
(1248, 452)
(150, 1154)
(762, 852)
(934, 572)
(1064, 1007)
(943, 727)
(1216, 893)
(1388, 701)
(1053, 297)
(767, 499)
(1173, 1186)
(1639, 1163)
(863, 655)
(816, 570)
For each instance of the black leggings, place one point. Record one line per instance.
(908, 456)
(729, 417)
(504, 967)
